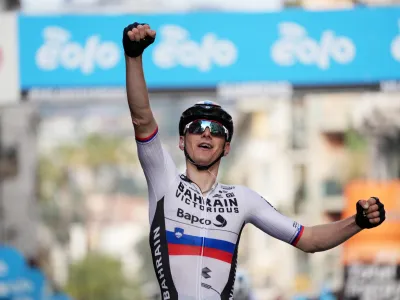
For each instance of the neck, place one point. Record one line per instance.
(204, 179)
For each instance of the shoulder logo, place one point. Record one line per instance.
(228, 187)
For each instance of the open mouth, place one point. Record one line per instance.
(205, 146)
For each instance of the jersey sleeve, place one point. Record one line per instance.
(264, 216)
(158, 167)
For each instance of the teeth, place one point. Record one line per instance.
(206, 146)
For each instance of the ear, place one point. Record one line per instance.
(227, 148)
(182, 143)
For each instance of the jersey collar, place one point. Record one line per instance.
(187, 179)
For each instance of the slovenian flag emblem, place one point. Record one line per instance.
(184, 244)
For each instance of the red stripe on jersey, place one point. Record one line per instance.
(297, 239)
(149, 138)
(176, 249)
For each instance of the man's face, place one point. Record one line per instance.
(204, 148)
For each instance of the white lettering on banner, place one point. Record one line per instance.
(177, 49)
(396, 45)
(372, 282)
(3, 269)
(295, 46)
(21, 286)
(59, 50)
(17, 287)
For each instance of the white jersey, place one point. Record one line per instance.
(194, 238)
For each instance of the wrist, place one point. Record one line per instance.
(137, 58)
(133, 60)
(354, 218)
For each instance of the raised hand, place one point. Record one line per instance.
(370, 213)
(136, 38)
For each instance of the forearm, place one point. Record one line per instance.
(328, 236)
(136, 89)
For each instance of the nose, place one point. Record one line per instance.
(206, 133)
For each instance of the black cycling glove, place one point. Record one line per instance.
(134, 48)
(361, 217)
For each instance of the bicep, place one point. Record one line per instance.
(265, 217)
(157, 165)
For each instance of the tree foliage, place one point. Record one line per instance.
(100, 277)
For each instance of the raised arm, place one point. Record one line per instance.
(135, 41)
(157, 164)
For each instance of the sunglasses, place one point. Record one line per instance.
(199, 126)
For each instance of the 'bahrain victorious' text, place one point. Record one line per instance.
(194, 237)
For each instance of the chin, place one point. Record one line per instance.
(204, 161)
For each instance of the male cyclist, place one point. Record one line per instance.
(196, 222)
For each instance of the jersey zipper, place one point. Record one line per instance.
(200, 260)
(203, 234)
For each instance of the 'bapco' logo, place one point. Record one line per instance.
(295, 46)
(220, 220)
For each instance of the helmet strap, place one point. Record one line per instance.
(200, 167)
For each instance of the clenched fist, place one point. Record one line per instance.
(136, 38)
(370, 213)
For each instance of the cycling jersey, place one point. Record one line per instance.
(194, 237)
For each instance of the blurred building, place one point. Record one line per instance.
(19, 216)
(114, 225)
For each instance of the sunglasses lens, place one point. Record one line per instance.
(196, 127)
(217, 129)
(199, 126)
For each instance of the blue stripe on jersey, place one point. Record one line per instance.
(199, 241)
(298, 235)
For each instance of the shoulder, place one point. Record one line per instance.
(242, 192)
(252, 196)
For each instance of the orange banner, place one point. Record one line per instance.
(380, 244)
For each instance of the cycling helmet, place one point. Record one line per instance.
(210, 111)
(207, 110)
